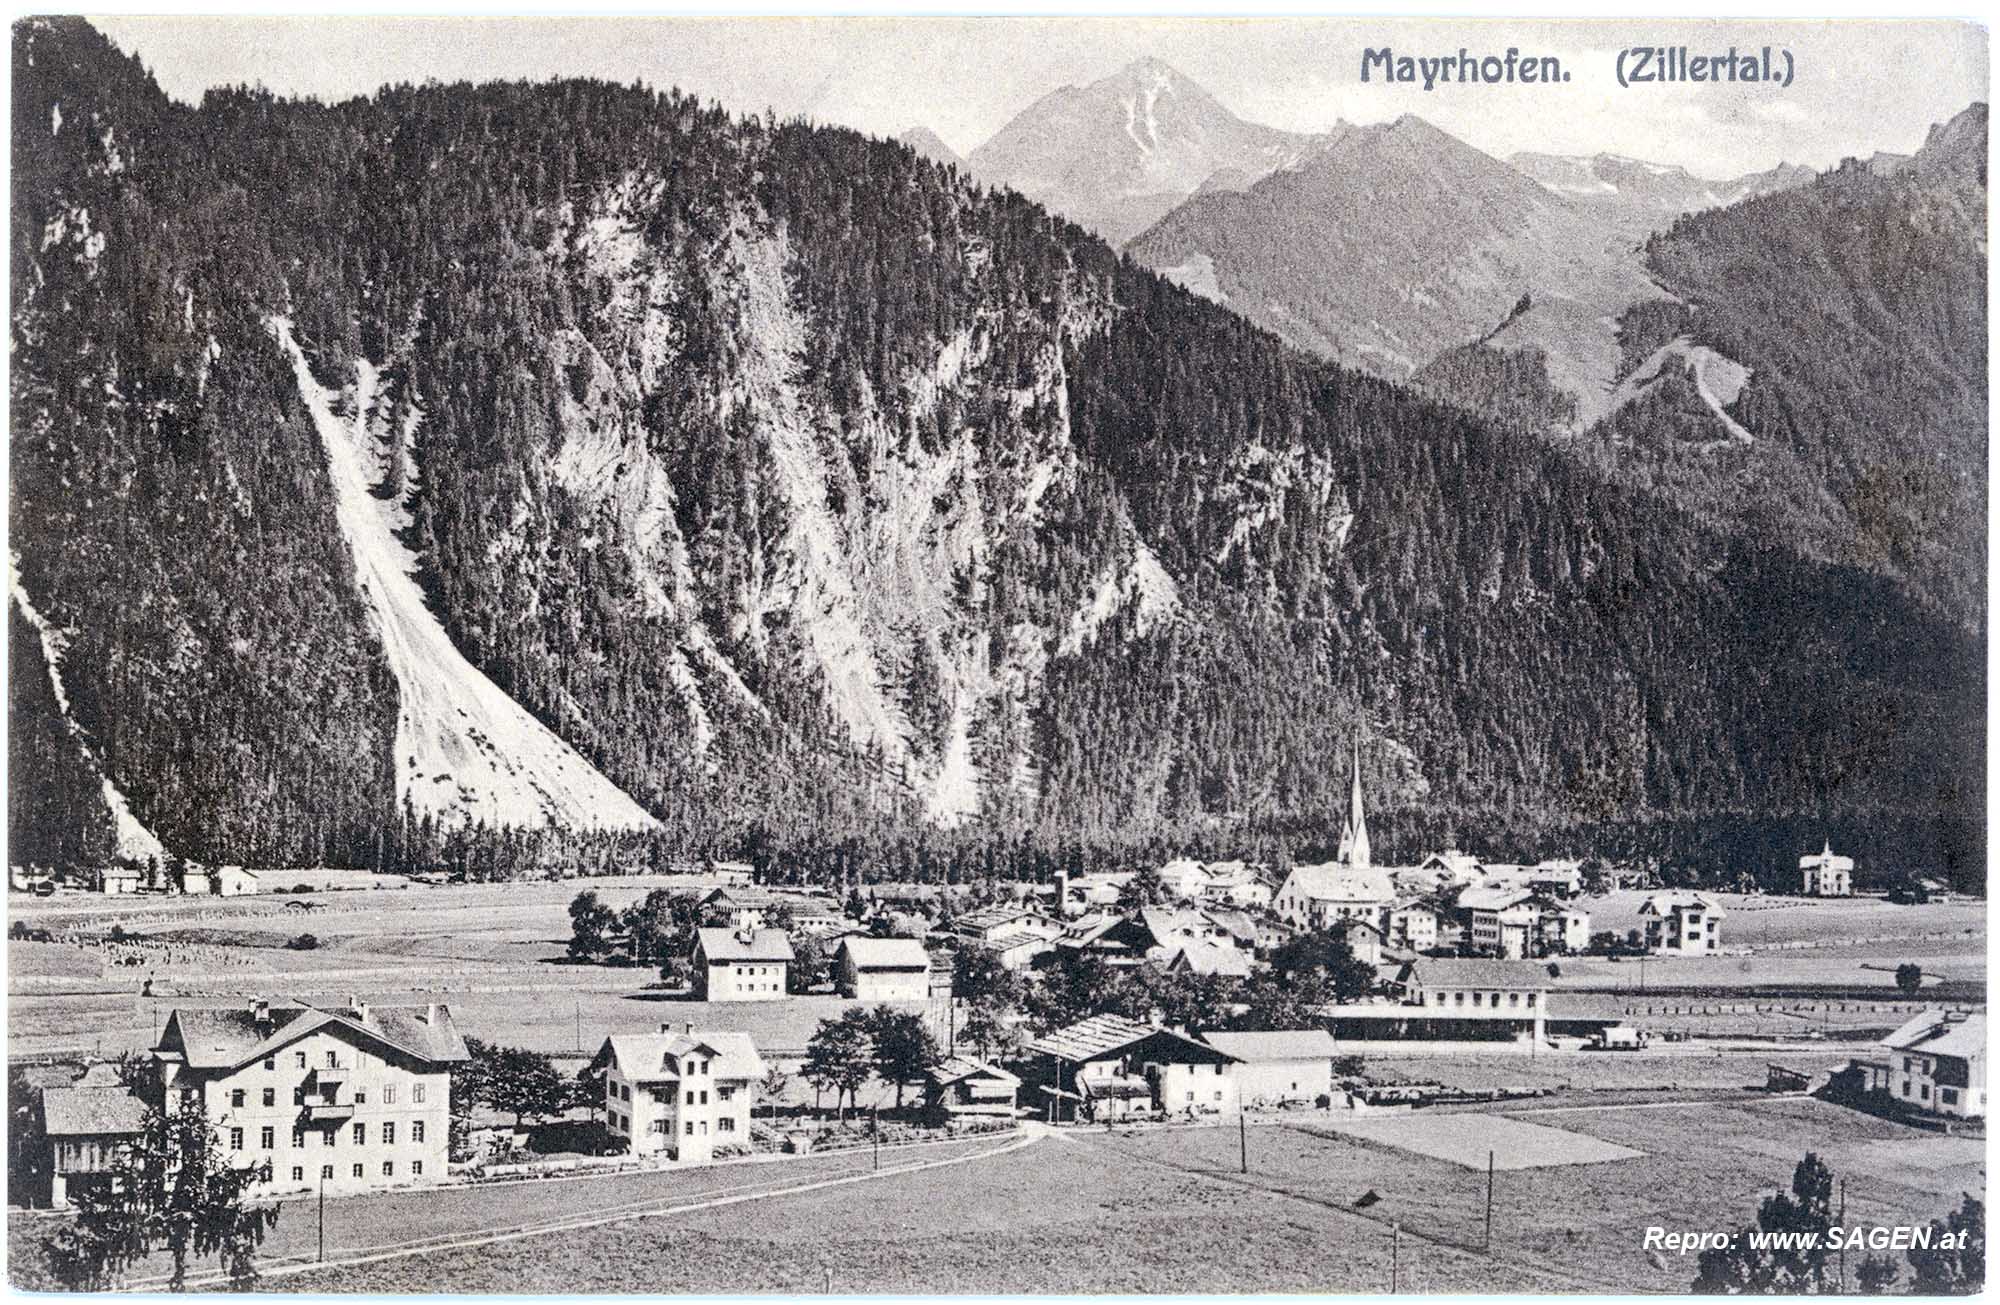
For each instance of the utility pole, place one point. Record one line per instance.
(322, 1214)
(1843, 1239)
(1487, 1246)
(875, 1128)
(1243, 1139)
(1395, 1256)
(579, 1024)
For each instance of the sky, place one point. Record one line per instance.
(1859, 86)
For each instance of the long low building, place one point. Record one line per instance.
(1280, 1067)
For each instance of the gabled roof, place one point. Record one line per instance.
(1826, 859)
(1931, 1034)
(1206, 956)
(958, 1068)
(1493, 897)
(225, 1039)
(1470, 972)
(1676, 900)
(747, 945)
(886, 953)
(1335, 882)
(91, 1111)
(656, 1057)
(1277, 1044)
(1092, 1037)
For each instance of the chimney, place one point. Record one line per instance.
(688, 1028)
(746, 935)
(359, 1007)
(430, 1012)
(260, 1012)
(666, 1026)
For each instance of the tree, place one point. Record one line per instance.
(1876, 1273)
(1145, 888)
(775, 1082)
(304, 942)
(904, 1047)
(27, 1164)
(1954, 1264)
(590, 925)
(661, 926)
(521, 1083)
(1304, 975)
(586, 1090)
(1909, 978)
(469, 1080)
(990, 1026)
(977, 975)
(171, 1189)
(840, 1056)
(1800, 1266)
(810, 965)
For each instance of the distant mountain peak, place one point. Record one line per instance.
(930, 145)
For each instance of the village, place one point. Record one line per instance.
(1350, 1002)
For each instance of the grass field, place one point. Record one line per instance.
(1473, 1140)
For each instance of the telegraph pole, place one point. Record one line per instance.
(1843, 1239)
(1488, 1244)
(1243, 1139)
(1395, 1256)
(322, 1214)
(875, 1128)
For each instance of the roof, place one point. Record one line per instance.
(646, 1056)
(1492, 897)
(91, 1111)
(1678, 900)
(964, 1067)
(1206, 956)
(1092, 1037)
(1278, 1044)
(1465, 972)
(1933, 1034)
(746, 945)
(1334, 882)
(994, 916)
(225, 1039)
(886, 953)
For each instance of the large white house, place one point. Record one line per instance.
(1681, 924)
(1937, 1062)
(741, 964)
(355, 1096)
(682, 1094)
(1316, 896)
(883, 969)
(1827, 874)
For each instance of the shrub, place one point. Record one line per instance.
(305, 942)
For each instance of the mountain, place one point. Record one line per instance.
(1115, 155)
(1832, 338)
(931, 146)
(1398, 242)
(1653, 192)
(537, 449)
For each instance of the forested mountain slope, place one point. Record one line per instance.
(821, 500)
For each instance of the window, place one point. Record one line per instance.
(690, 1128)
(325, 1172)
(725, 1125)
(417, 1093)
(388, 1135)
(389, 1094)
(236, 1099)
(360, 1098)
(302, 1060)
(270, 1063)
(270, 1096)
(333, 1060)
(610, 1090)
(332, 1136)
(298, 1173)
(416, 1169)
(388, 1168)
(360, 1134)
(658, 1126)
(267, 1139)
(359, 1171)
(236, 1139)
(298, 1137)
(1948, 1096)
(417, 1131)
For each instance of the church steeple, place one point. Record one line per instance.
(1354, 848)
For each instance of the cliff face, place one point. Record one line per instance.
(574, 456)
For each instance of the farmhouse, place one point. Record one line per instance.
(1451, 868)
(883, 969)
(1411, 925)
(1280, 1067)
(357, 1097)
(1826, 875)
(679, 1094)
(964, 1086)
(1937, 1063)
(1109, 1067)
(1081, 894)
(1681, 924)
(1314, 896)
(741, 964)
(753, 908)
(117, 880)
(1364, 939)
(88, 1123)
(1499, 920)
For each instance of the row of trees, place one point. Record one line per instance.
(896, 1046)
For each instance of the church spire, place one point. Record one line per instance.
(1354, 848)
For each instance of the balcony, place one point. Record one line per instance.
(328, 1112)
